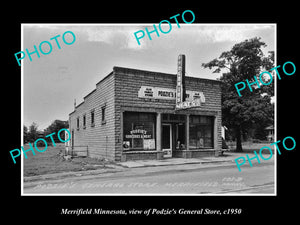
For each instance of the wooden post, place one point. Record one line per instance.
(187, 131)
(158, 132)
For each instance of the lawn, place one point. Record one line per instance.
(249, 146)
(52, 161)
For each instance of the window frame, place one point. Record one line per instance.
(134, 121)
(84, 121)
(201, 126)
(77, 123)
(92, 112)
(103, 114)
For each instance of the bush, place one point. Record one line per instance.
(42, 144)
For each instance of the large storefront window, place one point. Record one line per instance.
(139, 131)
(201, 132)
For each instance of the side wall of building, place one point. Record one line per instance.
(100, 136)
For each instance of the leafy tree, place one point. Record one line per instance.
(33, 132)
(55, 126)
(244, 61)
(25, 133)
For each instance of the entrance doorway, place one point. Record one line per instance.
(167, 140)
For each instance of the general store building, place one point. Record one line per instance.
(136, 114)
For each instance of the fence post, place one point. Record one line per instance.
(87, 151)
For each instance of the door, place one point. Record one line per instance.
(167, 140)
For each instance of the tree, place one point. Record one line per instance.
(33, 132)
(25, 134)
(54, 127)
(244, 61)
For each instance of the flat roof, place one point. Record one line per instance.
(128, 70)
(145, 72)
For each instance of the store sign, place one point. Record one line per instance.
(156, 93)
(188, 104)
(180, 92)
(181, 100)
(184, 99)
(168, 94)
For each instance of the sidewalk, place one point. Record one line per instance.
(147, 166)
(176, 161)
(227, 157)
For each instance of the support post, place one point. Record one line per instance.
(216, 147)
(187, 131)
(158, 132)
(158, 137)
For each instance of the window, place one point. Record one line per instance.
(93, 118)
(139, 131)
(173, 118)
(84, 121)
(201, 132)
(77, 123)
(103, 121)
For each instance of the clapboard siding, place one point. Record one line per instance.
(118, 91)
(100, 137)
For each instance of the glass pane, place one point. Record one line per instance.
(199, 132)
(208, 132)
(181, 133)
(208, 143)
(201, 136)
(193, 143)
(138, 143)
(174, 117)
(143, 117)
(200, 143)
(165, 116)
(103, 113)
(166, 137)
(193, 136)
(139, 131)
(196, 119)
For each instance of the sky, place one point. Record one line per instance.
(52, 82)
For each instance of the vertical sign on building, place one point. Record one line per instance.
(180, 86)
(181, 101)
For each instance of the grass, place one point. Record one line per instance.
(52, 161)
(250, 146)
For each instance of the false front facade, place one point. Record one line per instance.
(135, 114)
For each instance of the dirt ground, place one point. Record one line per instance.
(52, 161)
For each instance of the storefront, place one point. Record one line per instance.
(149, 115)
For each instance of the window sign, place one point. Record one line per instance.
(149, 143)
(138, 133)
